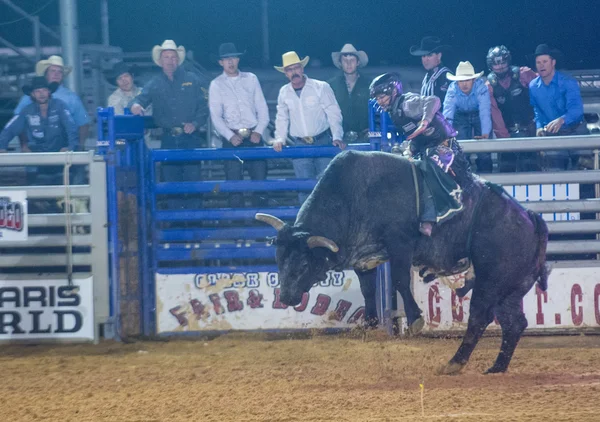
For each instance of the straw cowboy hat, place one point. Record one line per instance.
(336, 56)
(291, 58)
(464, 72)
(43, 65)
(168, 45)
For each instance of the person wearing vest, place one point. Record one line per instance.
(512, 113)
(431, 136)
(434, 82)
(351, 91)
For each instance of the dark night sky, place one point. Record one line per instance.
(385, 29)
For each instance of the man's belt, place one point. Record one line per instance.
(174, 131)
(244, 133)
(311, 139)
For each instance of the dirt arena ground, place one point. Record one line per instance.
(254, 377)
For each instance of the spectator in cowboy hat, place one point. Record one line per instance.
(557, 104)
(179, 108)
(47, 122)
(351, 91)
(468, 108)
(430, 51)
(308, 112)
(122, 75)
(54, 70)
(239, 113)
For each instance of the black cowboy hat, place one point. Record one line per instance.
(543, 49)
(40, 82)
(227, 50)
(428, 45)
(117, 70)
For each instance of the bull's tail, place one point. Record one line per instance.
(542, 270)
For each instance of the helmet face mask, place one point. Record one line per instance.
(498, 60)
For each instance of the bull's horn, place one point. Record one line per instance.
(271, 220)
(322, 242)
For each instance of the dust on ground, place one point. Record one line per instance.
(258, 377)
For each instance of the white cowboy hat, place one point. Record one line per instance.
(464, 72)
(43, 65)
(336, 56)
(168, 45)
(291, 58)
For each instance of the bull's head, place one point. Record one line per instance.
(302, 259)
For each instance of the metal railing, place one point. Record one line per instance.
(46, 254)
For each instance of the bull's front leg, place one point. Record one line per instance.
(368, 287)
(401, 277)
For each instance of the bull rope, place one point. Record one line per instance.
(68, 221)
(417, 193)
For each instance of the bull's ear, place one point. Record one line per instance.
(271, 220)
(322, 242)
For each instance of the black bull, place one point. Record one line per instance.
(363, 212)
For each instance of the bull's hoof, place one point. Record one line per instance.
(451, 368)
(416, 327)
(495, 370)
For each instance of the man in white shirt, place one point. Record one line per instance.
(307, 111)
(239, 113)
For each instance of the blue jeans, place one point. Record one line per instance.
(312, 168)
(468, 125)
(309, 168)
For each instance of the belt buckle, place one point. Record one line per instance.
(351, 136)
(176, 131)
(309, 139)
(244, 132)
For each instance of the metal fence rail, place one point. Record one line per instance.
(45, 254)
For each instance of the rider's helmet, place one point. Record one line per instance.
(498, 60)
(385, 88)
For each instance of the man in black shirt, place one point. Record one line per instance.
(351, 91)
(179, 108)
(435, 81)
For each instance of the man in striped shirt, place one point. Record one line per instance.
(435, 81)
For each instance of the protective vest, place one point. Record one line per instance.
(438, 131)
(514, 101)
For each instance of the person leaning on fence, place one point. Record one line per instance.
(431, 50)
(239, 113)
(179, 108)
(512, 114)
(308, 111)
(54, 70)
(48, 125)
(467, 108)
(122, 75)
(557, 103)
(351, 91)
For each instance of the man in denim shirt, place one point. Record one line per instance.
(54, 70)
(557, 103)
(467, 107)
(48, 125)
